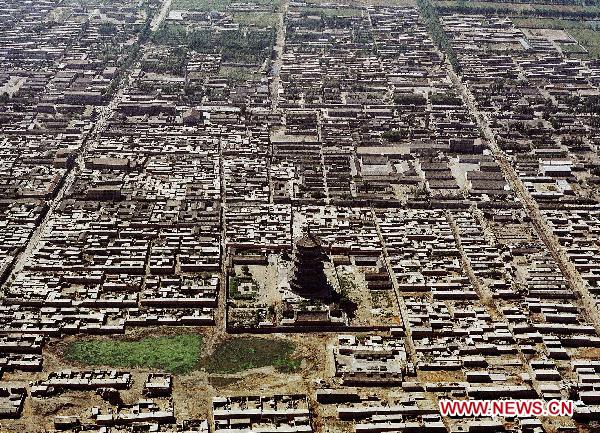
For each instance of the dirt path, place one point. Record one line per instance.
(278, 48)
(104, 114)
(410, 347)
(158, 19)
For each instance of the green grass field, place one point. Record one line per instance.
(216, 5)
(257, 19)
(527, 8)
(331, 12)
(237, 74)
(245, 353)
(549, 23)
(181, 354)
(586, 32)
(588, 38)
(175, 354)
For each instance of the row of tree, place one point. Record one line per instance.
(437, 32)
(492, 8)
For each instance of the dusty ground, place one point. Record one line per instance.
(441, 376)
(192, 393)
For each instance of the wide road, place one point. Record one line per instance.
(531, 207)
(104, 114)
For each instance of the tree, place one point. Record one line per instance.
(107, 28)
